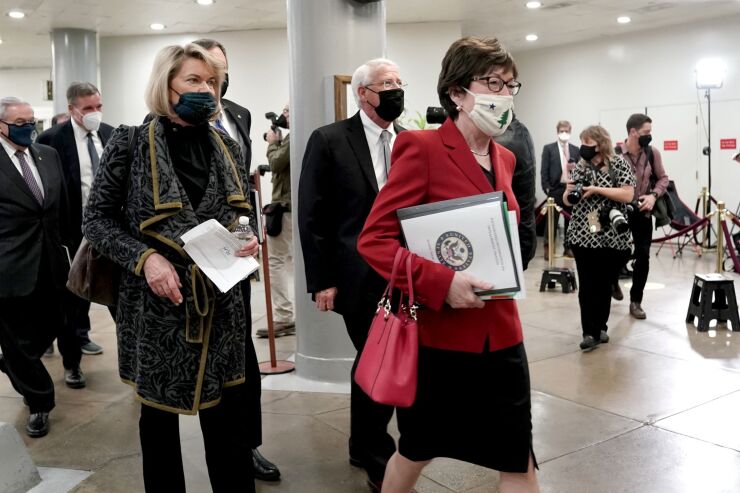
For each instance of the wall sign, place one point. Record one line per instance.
(670, 145)
(728, 143)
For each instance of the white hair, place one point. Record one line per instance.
(364, 72)
(9, 101)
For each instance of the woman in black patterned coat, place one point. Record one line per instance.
(180, 341)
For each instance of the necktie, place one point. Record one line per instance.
(94, 158)
(385, 140)
(28, 176)
(220, 127)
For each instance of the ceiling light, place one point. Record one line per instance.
(710, 73)
(16, 14)
(1, 41)
(204, 2)
(157, 26)
(531, 37)
(534, 5)
(623, 19)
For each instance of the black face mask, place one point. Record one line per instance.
(644, 140)
(391, 104)
(588, 152)
(225, 85)
(195, 108)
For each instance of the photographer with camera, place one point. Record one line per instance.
(600, 189)
(279, 225)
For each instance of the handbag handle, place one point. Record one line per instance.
(385, 300)
(410, 282)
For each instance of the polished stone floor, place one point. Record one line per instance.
(653, 411)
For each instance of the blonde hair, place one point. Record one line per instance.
(599, 135)
(167, 64)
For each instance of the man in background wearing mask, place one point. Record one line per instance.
(344, 166)
(280, 245)
(33, 267)
(652, 182)
(558, 159)
(79, 142)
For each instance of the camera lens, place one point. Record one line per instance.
(575, 195)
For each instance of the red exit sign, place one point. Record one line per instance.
(728, 143)
(670, 145)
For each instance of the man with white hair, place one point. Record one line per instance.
(33, 265)
(344, 166)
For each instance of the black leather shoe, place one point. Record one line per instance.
(38, 425)
(264, 470)
(74, 378)
(617, 293)
(2, 363)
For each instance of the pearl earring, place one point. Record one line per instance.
(458, 108)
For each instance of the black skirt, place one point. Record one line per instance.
(474, 407)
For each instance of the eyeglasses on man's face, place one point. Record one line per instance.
(20, 122)
(389, 84)
(496, 84)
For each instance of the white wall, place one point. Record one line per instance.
(609, 78)
(28, 85)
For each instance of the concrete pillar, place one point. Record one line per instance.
(18, 473)
(75, 59)
(325, 38)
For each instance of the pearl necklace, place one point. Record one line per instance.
(480, 153)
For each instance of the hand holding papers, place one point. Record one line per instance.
(470, 234)
(212, 248)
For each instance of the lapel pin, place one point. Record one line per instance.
(238, 116)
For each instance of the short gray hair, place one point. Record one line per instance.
(362, 75)
(9, 101)
(79, 90)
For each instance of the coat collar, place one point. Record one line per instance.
(7, 167)
(358, 143)
(460, 154)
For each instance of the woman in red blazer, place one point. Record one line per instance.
(473, 397)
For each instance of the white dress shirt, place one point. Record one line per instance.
(86, 172)
(372, 133)
(565, 172)
(29, 159)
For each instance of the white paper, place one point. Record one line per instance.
(514, 232)
(212, 247)
(472, 239)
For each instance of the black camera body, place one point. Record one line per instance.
(276, 122)
(575, 195)
(436, 114)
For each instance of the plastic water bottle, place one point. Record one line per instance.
(243, 231)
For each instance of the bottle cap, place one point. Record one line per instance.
(243, 220)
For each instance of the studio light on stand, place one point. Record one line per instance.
(710, 74)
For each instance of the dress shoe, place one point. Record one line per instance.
(547, 253)
(637, 311)
(603, 337)
(38, 425)
(264, 470)
(281, 329)
(567, 252)
(2, 363)
(74, 378)
(617, 293)
(91, 348)
(589, 344)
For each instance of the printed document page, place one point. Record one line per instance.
(514, 231)
(212, 248)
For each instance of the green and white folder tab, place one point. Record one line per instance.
(469, 234)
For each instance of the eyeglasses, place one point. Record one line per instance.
(389, 84)
(20, 123)
(496, 84)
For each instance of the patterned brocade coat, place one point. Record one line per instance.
(177, 358)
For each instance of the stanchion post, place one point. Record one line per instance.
(550, 231)
(720, 235)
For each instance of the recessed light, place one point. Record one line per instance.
(532, 37)
(156, 26)
(16, 14)
(623, 19)
(204, 2)
(534, 5)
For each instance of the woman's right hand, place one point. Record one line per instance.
(162, 278)
(461, 294)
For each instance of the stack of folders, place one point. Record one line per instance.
(477, 235)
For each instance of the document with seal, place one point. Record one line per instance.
(212, 247)
(469, 234)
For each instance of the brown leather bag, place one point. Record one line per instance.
(92, 275)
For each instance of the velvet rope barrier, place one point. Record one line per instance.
(731, 246)
(682, 232)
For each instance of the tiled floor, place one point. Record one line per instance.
(655, 410)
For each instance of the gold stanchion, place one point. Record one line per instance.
(552, 275)
(550, 231)
(721, 212)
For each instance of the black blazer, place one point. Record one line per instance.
(62, 138)
(552, 170)
(336, 191)
(243, 120)
(30, 231)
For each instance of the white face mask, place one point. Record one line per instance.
(491, 113)
(564, 136)
(91, 121)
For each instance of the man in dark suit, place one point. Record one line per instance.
(33, 265)
(558, 159)
(344, 166)
(79, 142)
(236, 121)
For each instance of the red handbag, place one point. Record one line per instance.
(388, 366)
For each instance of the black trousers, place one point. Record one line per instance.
(28, 325)
(78, 316)
(642, 235)
(369, 441)
(228, 458)
(557, 194)
(597, 267)
(252, 388)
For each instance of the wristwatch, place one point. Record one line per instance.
(654, 194)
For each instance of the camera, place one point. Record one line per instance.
(276, 122)
(436, 114)
(575, 195)
(613, 217)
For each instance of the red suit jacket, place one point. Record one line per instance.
(430, 166)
